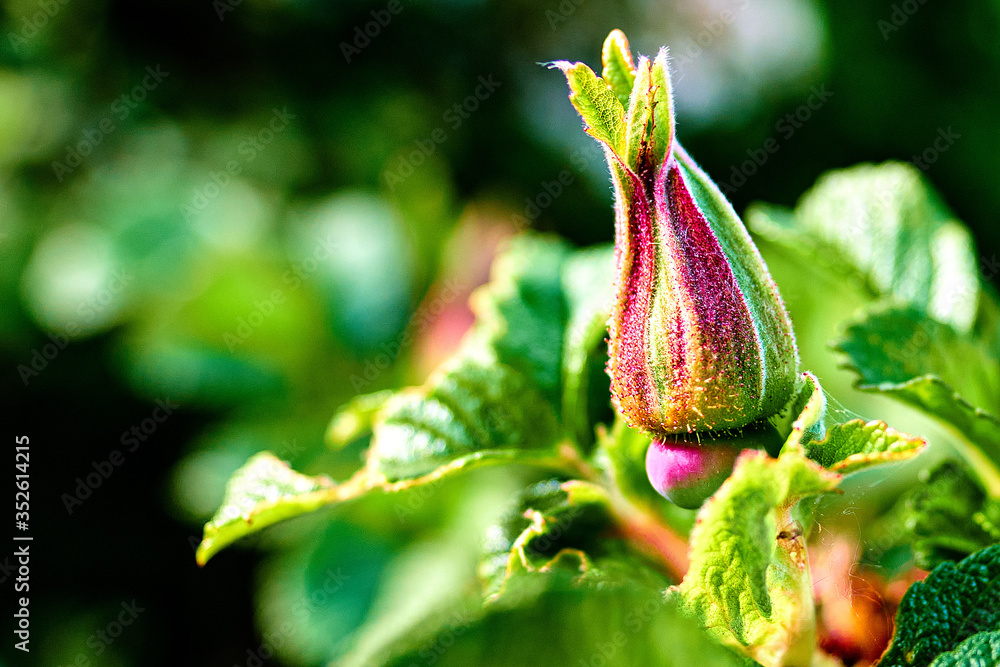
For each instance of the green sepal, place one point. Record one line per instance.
(601, 109)
(619, 68)
(839, 440)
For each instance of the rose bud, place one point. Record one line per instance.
(699, 336)
(687, 471)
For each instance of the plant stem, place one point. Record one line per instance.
(790, 583)
(982, 466)
(653, 538)
(644, 529)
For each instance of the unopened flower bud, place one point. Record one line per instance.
(699, 336)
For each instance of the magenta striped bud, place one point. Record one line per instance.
(699, 336)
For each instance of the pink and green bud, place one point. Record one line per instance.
(687, 469)
(699, 336)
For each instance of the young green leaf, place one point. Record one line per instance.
(521, 314)
(948, 516)
(887, 227)
(749, 581)
(598, 105)
(472, 410)
(954, 603)
(496, 401)
(263, 492)
(619, 68)
(840, 441)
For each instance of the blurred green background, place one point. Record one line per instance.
(220, 220)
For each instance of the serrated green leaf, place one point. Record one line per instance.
(571, 527)
(521, 314)
(474, 409)
(893, 346)
(588, 283)
(263, 492)
(948, 516)
(749, 581)
(497, 400)
(840, 441)
(903, 354)
(266, 490)
(597, 104)
(982, 650)
(954, 603)
(619, 69)
(884, 225)
(542, 510)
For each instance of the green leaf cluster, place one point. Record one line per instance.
(927, 336)
(952, 617)
(589, 546)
